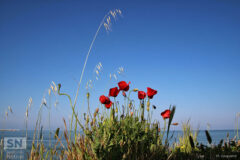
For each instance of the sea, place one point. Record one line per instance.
(17, 146)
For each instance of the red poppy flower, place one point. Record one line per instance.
(113, 92)
(151, 92)
(124, 94)
(108, 105)
(104, 100)
(141, 94)
(124, 85)
(166, 114)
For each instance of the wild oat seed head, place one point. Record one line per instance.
(55, 86)
(26, 113)
(30, 102)
(52, 88)
(97, 72)
(10, 109)
(114, 75)
(49, 92)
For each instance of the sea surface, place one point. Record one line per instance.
(49, 140)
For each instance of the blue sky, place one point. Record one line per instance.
(188, 50)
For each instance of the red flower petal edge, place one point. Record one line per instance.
(151, 92)
(124, 86)
(114, 92)
(166, 114)
(141, 94)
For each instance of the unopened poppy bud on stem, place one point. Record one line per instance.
(148, 108)
(131, 113)
(59, 86)
(87, 119)
(88, 95)
(97, 110)
(130, 105)
(148, 103)
(135, 90)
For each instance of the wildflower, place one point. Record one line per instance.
(124, 94)
(166, 114)
(108, 105)
(151, 92)
(105, 100)
(113, 92)
(124, 85)
(141, 94)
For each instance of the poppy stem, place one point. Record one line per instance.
(142, 107)
(129, 98)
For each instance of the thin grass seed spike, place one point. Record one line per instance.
(208, 137)
(191, 142)
(90, 48)
(56, 133)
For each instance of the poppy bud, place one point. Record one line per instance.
(130, 105)
(124, 94)
(148, 108)
(154, 107)
(59, 86)
(131, 113)
(97, 110)
(87, 119)
(135, 90)
(88, 95)
(148, 103)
